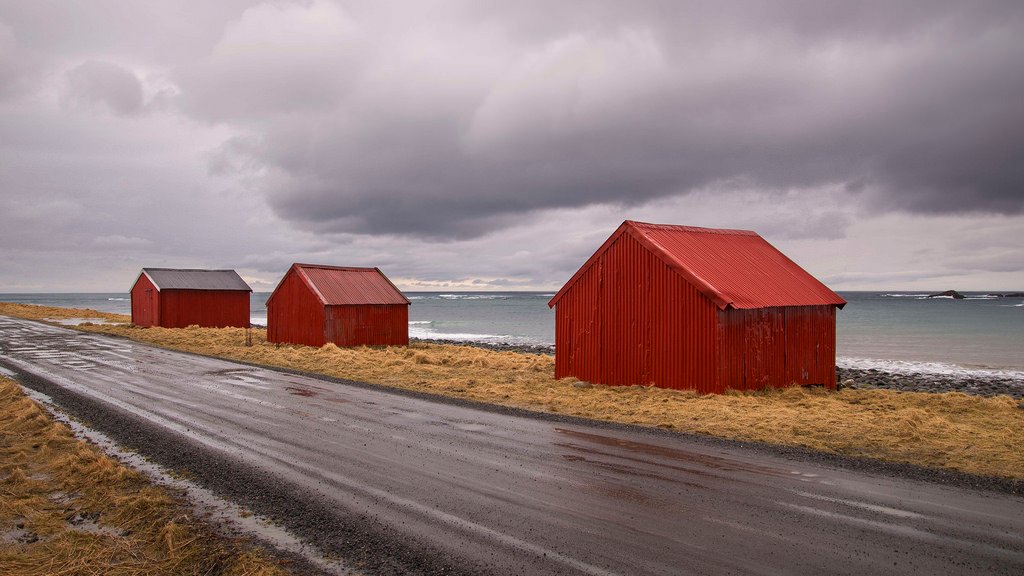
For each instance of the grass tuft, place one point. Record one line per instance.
(67, 508)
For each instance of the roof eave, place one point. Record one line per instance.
(590, 262)
(393, 287)
(279, 283)
(151, 281)
(309, 283)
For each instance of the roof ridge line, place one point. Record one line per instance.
(697, 229)
(704, 286)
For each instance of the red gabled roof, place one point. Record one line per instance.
(734, 268)
(341, 286)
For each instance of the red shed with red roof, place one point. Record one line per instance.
(694, 308)
(176, 298)
(315, 304)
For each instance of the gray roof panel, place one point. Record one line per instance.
(175, 279)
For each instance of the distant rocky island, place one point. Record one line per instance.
(958, 296)
(947, 294)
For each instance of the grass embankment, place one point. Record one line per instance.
(67, 508)
(954, 431)
(33, 312)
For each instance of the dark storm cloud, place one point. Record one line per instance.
(512, 136)
(459, 120)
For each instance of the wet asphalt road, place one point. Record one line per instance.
(481, 491)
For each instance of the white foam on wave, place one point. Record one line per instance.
(415, 297)
(472, 297)
(428, 333)
(904, 295)
(936, 368)
(258, 320)
(117, 299)
(423, 330)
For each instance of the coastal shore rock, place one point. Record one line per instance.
(868, 379)
(497, 346)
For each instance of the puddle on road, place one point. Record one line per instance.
(673, 454)
(229, 371)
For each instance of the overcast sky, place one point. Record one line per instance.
(494, 145)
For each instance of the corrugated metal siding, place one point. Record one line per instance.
(368, 325)
(145, 303)
(295, 314)
(345, 286)
(630, 319)
(739, 266)
(207, 308)
(779, 346)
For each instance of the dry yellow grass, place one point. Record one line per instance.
(66, 508)
(953, 430)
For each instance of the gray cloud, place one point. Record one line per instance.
(96, 82)
(471, 144)
(17, 66)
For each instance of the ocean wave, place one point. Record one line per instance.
(935, 297)
(901, 295)
(258, 320)
(429, 333)
(415, 297)
(472, 297)
(936, 368)
(118, 299)
(422, 329)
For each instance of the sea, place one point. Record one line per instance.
(903, 332)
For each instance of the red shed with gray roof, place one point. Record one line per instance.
(694, 308)
(315, 304)
(176, 298)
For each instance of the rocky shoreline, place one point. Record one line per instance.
(498, 346)
(868, 379)
(851, 378)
